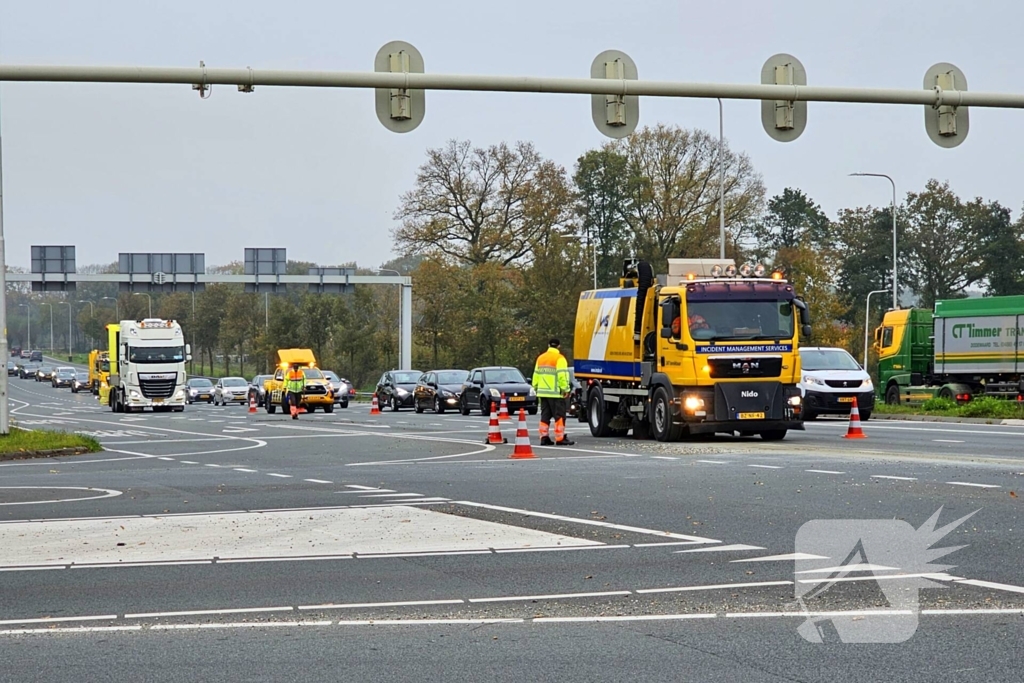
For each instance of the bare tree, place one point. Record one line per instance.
(673, 189)
(479, 206)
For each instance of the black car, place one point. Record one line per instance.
(28, 370)
(257, 385)
(199, 389)
(439, 390)
(36, 356)
(487, 385)
(396, 388)
(81, 382)
(62, 377)
(12, 368)
(44, 373)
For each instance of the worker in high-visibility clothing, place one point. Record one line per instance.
(551, 381)
(294, 383)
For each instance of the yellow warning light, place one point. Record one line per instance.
(776, 275)
(691, 276)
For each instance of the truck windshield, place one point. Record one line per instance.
(312, 373)
(739, 320)
(104, 365)
(156, 354)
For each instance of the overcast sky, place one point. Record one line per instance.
(113, 168)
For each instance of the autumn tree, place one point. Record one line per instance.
(477, 206)
(602, 202)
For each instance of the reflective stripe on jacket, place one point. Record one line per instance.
(551, 374)
(295, 381)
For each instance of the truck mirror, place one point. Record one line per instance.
(805, 331)
(916, 379)
(666, 333)
(188, 350)
(188, 357)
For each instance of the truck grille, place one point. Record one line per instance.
(157, 388)
(843, 383)
(758, 366)
(315, 389)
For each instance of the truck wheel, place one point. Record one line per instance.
(892, 395)
(661, 418)
(269, 405)
(773, 435)
(329, 408)
(311, 409)
(597, 414)
(641, 429)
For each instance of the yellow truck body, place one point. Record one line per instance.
(697, 351)
(99, 369)
(317, 391)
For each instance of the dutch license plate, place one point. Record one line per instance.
(751, 416)
(158, 400)
(845, 399)
(518, 398)
(204, 396)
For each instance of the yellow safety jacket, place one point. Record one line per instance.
(295, 381)
(551, 374)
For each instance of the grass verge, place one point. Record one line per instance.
(25, 441)
(983, 407)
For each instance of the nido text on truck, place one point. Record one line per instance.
(147, 365)
(708, 348)
(962, 349)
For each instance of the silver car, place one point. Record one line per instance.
(340, 386)
(230, 390)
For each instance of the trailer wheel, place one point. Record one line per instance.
(661, 418)
(774, 435)
(892, 395)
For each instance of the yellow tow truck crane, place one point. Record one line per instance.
(316, 392)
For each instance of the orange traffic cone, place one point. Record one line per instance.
(493, 431)
(252, 402)
(374, 406)
(522, 448)
(854, 432)
(503, 415)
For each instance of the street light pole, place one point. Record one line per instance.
(895, 287)
(70, 317)
(117, 308)
(721, 181)
(867, 319)
(148, 296)
(44, 303)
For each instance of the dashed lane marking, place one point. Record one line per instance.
(825, 471)
(889, 476)
(979, 486)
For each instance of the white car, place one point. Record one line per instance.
(831, 378)
(231, 390)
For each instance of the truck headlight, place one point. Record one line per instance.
(795, 400)
(813, 380)
(495, 393)
(693, 403)
(134, 394)
(180, 393)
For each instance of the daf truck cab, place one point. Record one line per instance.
(706, 349)
(147, 365)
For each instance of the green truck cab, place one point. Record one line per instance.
(962, 349)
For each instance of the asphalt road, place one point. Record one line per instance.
(219, 545)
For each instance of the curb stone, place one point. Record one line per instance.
(48, 453)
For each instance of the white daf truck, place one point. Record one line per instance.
(147, 365)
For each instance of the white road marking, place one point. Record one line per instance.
(562, 596)
(783, 558)
(722, 548)
(662, 457)
(887, 476)
(188, 462)
(391, 495)
(947, 441)
(642, 617)
(282, 476)
(591, 522)
(713, 462)
(983, 610)
(243, 624)
(203, 612)
(318, 481)
(362, 488)
(73, 629)
(107, 493)
(358, 605)
(54, 620)
(720, 586)
(993, 585)
(766, 467)
(862, 567)
(825, 471)
(163, 458)
(426, 622)
(979, 486)
(557, 548)
(243, 469)
(846, 579)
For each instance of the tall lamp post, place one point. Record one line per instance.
(867, 318)
(117, 308)
(45, 303)
(70, 318)
(148, 296)
(895, 287)
(721, 181)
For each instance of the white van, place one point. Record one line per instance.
(830, 380)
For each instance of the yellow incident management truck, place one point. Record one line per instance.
(708, 348)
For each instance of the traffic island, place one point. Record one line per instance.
(22, 444)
